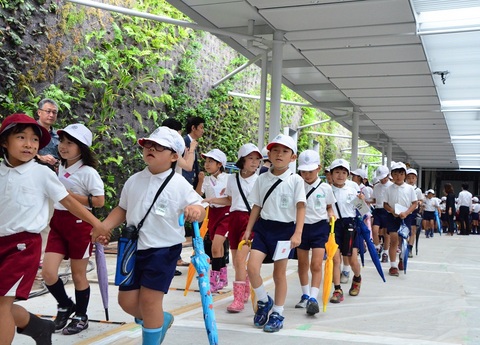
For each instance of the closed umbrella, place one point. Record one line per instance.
(403, 233)
(102, 275)
(364, 233)
(252, 291)
(439, 223)
(331, 248)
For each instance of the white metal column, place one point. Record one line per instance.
(355, 131)
(276, 87)
(263, 101)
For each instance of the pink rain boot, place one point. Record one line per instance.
(214, 281)
(238, 293)
(223, 278)
(246, 295)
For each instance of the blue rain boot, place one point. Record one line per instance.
(151, 336)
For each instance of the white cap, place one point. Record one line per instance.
(381, 172)
(217, 155)
(360, 172)
(340, 163)
(79, 132)
(475, 199)
(284, 140)
(375, 180)
(430, 191)
(308, 160)
(166, 137)
(412, 171)
(265, 153)
(444, 198)
(246, 149)
(398, 166)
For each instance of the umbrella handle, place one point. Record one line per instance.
(332, 225)
(243, 242)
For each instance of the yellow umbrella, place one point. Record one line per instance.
(252, 292)
(191, 268)
(331, 248)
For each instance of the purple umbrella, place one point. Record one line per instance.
(102, 275)
(201, 263)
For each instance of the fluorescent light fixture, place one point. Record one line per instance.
(457, 20)
(462, 103)
(465, 137)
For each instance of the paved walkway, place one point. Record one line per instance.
(436, 302)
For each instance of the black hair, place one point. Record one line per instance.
(193, 121)
(88, 157)
(19, 127)
(172, 124)
(465, 186)
(240, 163)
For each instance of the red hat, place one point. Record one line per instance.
(14, 119)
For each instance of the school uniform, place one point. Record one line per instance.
(212, 187)
(403, 195)
(68, 234)
(430, 205)
(345, 212)
(24, 205)
(380, 214)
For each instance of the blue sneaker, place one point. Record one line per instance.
(275, 323)
(263, 308)
(312, 306)
(167, 323)
(303, 302)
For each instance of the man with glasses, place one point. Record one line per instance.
(47, 117)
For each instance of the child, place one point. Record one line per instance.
(475, 215)
(238, 188)
(160, 239)
(380, 214)
(345, 232)
(213, 186)
(26, 188)
(402, 194)
(412, 181)
(278, 198)
(315, 231)
(430, 205)
(69, 237)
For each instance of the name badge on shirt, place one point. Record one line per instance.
(284, 201)
(319, 198)
(161, 207)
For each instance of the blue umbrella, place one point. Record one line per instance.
(403, 232)
(201, 263)
(358, 239)
(102, 275)
(364, 232)
(439, 224)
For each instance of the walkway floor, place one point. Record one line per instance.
(436, 302)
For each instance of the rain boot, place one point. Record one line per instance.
(223, 278)
(246, 295)
(214, 281)
(238, 295)
(40, 330)
(151, 336)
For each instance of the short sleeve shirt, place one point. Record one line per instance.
(403, 195)
(281, 205)
(24, 197)
(318, 200)
(232, 191)
(344, 197)
(379, 191)
(431, 204)
(161, 228)
(213, 186)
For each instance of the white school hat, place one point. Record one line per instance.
(308, 160)
(166, 137)
(340, 163)
(412, 171)
(360, 172)
(284, 140)
(381, 172)
(246, 149)
(79, 132)
(217, 155)
(430, 191)
(398, 166)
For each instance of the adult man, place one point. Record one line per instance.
(465, 205)
(195, 128)
(47, 117)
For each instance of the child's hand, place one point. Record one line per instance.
(295, 240)
(103, 240)
(201, 176)
(192, 213)
(100, 233)
(246, 235)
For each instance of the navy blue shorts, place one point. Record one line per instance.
(428, 215)
(345, 239)
(380, 218)
(395, 222)
(412, 217)
(474, 216)
(155, 268)
(315, 235)
(267, 233)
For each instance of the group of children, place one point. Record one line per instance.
(259, 210)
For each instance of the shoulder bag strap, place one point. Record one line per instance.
(313, 189)
(162, 187)
(237, 177)
(271, 190)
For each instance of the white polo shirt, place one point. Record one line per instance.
(317, 201)
(465, 198)
(24, 194)
(80, 179)
(161, 228)
(213, 187)
(344, 196)
(281, 205)
(403, 195)
(431, 204)
(379, 192)
(232, 191)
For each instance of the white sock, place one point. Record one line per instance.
(306, 290)
(261, 293)
(346, 268)
(393, 264)
(314, 292)
(278, 309)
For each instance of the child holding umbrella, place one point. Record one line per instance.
(315, 231)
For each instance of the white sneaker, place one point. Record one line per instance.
(344, 276)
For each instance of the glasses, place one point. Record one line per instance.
(54, 112)
(159, 148)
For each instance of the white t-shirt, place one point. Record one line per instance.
(281, 205)
(24, 197)
(431, 204)
(379, 192)
(403, 195)
(232, 191)
(80, 179)
(344, 197)
(317, 201)
(214, 186)
(161, 228)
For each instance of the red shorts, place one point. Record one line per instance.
(19, 258)
(218, 221)
(69, 236)
(238, 221)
